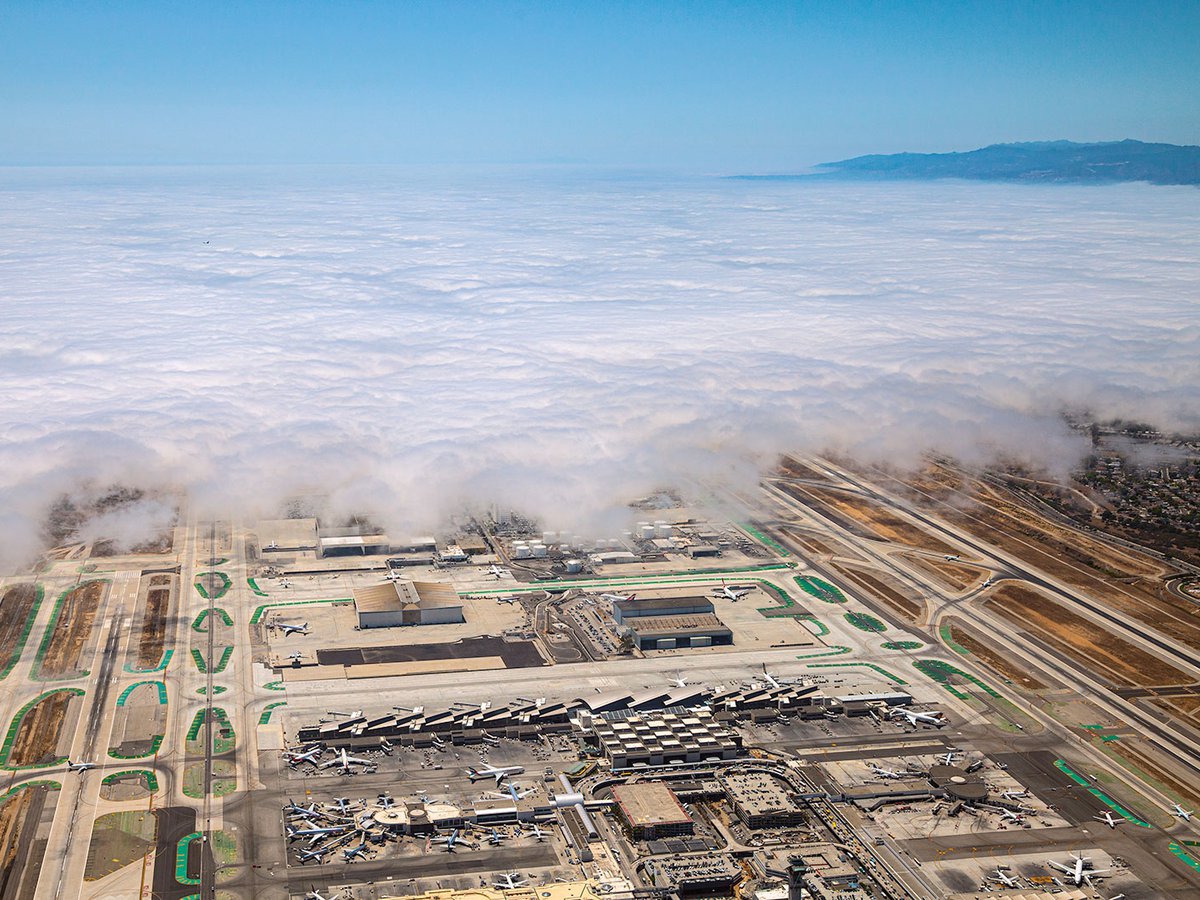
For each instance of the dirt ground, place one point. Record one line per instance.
(154, 621)
(18, 816)
(873, 517)
(1090, 644)
(72, 629)
(37, 738)
(14, 611)
(1146, 759)
(994, 658)
(887, 590)
(1123, 579)
(790, 467)
(955, 576)
(811, 544)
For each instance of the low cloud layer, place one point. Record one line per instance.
(406, 340)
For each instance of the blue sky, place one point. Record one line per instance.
(706, 87)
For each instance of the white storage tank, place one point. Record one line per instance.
(574, 566)
(538, 550)
(646, 531)
(521, 550)
(662, 529)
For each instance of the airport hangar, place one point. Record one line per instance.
(664, 623)
(399, 603)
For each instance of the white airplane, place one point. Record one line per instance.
(886, 773)
(513, 598)
(732, 593)
(538, 834)
(1181, 813)
(343, 805)
(271, 546)
(495, 838)
(495, 570)
(1009, 816)
(917, 718)
(293, 629)
(313, 834)
(1015, 795)
(1004, 878)
(80, 766)
(678, 681)
(948, 759)
(508, 881)
(313, 895)
(498, 773)
(619, 598)
(1079, 873)
(950, 558)
(345, 761)
(318, 854)
(1109, 819)
(295, 759)
(302, 812)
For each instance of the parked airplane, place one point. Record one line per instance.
(1079, 873)
(295, 759)
(619, 598)
(293, 629)
(917, 718)
(1015, 795)
(498, 773)
(508, 881)
(350, 853)
(510, 599)
(318, 854)
(1179, 812)
(495, 570)
(313, 833)
(344, 761)
(449, 840)
(1004, 878)
(1109, 819)
(495, 838)
(302, 812)
(1010, 816)
(80, 766)
(733, 593)
(886, 773)
(678, 681)
(538, 834)
(948, 759)
(313, 895)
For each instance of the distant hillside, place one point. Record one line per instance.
(1049, 161)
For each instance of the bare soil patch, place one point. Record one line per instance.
(37, 737)
(1147, 760)
(154, 623)
(72, 628)
(19, 819)
(1094, 647)
(954, 575)
(891, 592)
(15, 608)
(790, 467)
(994, 658)
(875, 518)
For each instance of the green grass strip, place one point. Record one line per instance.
(819, 588)
(941, 672)
(222, 588)
(198, 622)
(202, 665)
(221, 721)
(48, 638)
(902, 645)
(1184, 856)
(217, 689)
(275, 686)
(948, 640)
(843, 665)
(265, 718)
(160, 667)
(822, 628)
(162, 692)
(15, 726)
(1062, 766)
(181, 858)
(835, 650)
(41, 782)
(1114, 805)
(254, 587)
(787, 607)
(155, 743)
(39, 593)
(764, 539)
(149, 777)
(865, 622)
